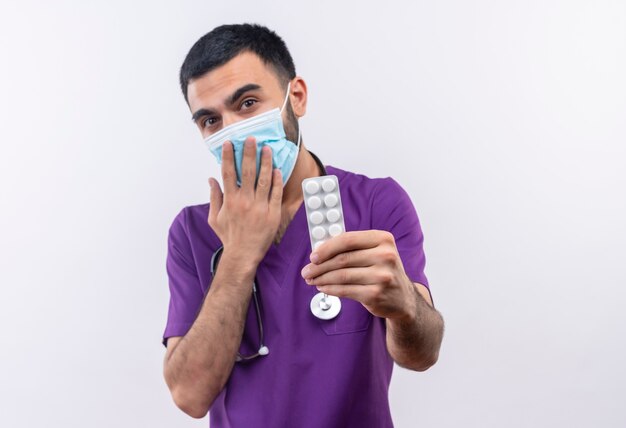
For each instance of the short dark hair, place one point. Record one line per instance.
(223, 43)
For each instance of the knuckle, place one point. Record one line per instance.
(378, 293)
(246, 204)
(388, 256)
(386, 278)
(387, 236)
(343, 259)
(343, 276)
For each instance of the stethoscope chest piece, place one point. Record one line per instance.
(325, 307)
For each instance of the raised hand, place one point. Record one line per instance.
(246, 218)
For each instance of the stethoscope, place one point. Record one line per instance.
(323, 306)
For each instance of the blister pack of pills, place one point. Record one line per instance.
(324, 211)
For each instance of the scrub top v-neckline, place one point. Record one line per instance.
(279, 259)
(291, 240)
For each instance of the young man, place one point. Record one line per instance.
(241, 338)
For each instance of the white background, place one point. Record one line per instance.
(505, 122)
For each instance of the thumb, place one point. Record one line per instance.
(217, 198)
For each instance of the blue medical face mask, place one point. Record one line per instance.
(268, 130)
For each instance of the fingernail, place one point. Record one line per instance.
(308, 280)
(315, 257)
(305, 272)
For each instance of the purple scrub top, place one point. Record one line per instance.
(319, 373)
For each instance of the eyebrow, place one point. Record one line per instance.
(232, 99)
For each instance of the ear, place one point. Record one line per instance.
(298, 96)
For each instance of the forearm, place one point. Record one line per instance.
(414, 340)
(200, 364)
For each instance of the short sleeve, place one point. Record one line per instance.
(186, 294)
(394, 212)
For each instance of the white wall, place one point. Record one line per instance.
(504, 120)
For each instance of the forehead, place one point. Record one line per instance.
(214, 87)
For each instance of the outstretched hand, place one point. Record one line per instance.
(364, 266)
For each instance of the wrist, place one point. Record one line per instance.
(407, 315)
(238, 264)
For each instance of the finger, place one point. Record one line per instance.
(276, 195)
(265, 175)
(356, 258)
(229, 176)
(248, 166)
(358, 275)
(348, 241)
(217, 199)
(356, 292)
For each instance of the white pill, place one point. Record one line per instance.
(317, 244)
(312, 187)
(316, 217)
(318, 232)
(334, 230)
(330, 200)
(314, 202)
(332, 215)
(328, 185)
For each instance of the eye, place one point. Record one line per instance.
(247, 103)
(209, 121)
